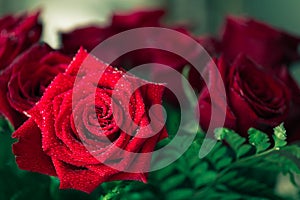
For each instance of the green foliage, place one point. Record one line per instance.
(236, 142)
(279, 136)
(258, 139)
(236, 168)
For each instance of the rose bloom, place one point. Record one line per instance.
(17, 33)
(267, 46)
(73, 142)
(210, 46)
(23, 83)
(292, 123)
(91, 36)
(255, 96)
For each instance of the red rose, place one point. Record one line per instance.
(292, 123)
(178, 63)
(25, 80)
(51, 143)
(265, 45)
(90, 36)
(210, 44)
(255, 97)
(17, 33)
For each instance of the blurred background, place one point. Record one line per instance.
(205, 15)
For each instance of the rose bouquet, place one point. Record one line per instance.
(203, 118)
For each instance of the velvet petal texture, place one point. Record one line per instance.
(28, 151)
(256, 97)
(18, 33)
(264, 44)
(23, 83)
(79, 134)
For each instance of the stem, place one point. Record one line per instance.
(238, 162)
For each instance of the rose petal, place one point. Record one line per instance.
(79, 178)
(28, 150)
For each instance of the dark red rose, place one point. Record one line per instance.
(267, 46)
(90, 36)
(17, 33)
(210, 46)
(25, 80)
(56, 140)
(155, 57)
(255, 96)
(292, 123)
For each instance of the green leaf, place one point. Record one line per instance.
(218, 152)
(280, 132)
(235, 141)
(180, 194)
(224, 162)
(220, 133)
(281, 163)
(248, 185)
(163, 173)
(227, 176)
(258, 139)
(243, 150)
(279, 136)
(200, 169)
(207, 177)
(278, 142)
(293, 149)
(230, 136)
(173, 182)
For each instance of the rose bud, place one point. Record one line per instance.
(74, 131)
(267, 46)
(255, 96)
(17, 33)
(23, 83)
